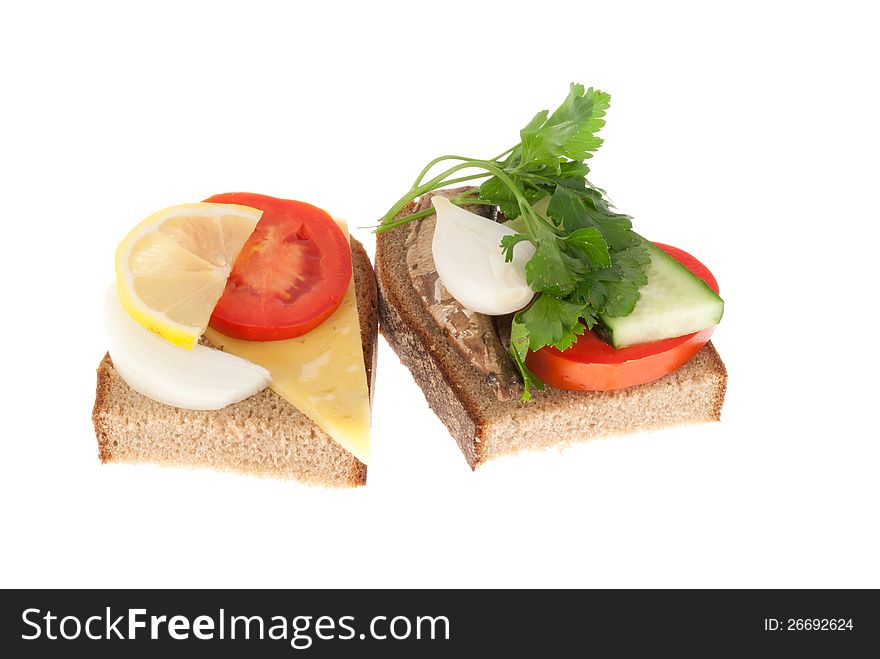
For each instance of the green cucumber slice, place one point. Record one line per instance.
(673, 303)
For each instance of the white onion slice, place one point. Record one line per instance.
(199, 379)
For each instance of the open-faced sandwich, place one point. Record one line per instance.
(242, 336)
(529, 311)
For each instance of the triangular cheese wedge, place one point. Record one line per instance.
(321, 373)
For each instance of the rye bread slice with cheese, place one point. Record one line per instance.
(485, 426)
(263, 435)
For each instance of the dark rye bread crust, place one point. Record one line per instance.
(262, 435)
(485, 427)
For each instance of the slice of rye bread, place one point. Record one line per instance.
(486, 427)
(263, 435)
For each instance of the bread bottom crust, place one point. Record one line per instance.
(263, 435)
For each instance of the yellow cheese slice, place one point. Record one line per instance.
(321, 373)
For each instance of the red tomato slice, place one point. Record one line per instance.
(289, 277)
(593, 365)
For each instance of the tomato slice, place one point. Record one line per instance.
(593, 365)
(289, 277)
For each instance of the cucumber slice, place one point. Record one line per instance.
(674, 302)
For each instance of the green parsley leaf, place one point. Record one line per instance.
(623, 293)
(584, 111)
(616, 228)
(550, 270)
(552, 321)
(569, 132)
(572, 175)
(614, 291)
(519, 348)
(495, 191)
(509, 242)
(539, 144)
(591, 243)
(567, 209)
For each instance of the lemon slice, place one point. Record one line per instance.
(172, 268)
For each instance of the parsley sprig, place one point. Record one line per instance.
(588, 261)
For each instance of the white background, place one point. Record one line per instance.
(746, 135)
